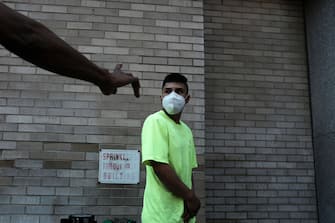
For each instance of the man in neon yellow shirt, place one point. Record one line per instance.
(169, 155)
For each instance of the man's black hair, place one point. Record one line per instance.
(175, 77)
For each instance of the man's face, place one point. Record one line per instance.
(177, 87)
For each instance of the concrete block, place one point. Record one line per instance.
(70, 173)
(69, 191)
(179, 46)
(192, 25)
(116, 50)
(28, 163)
(143, 7)
(167, 38)
(142, 36)
(23, 219)
(117, 35)
(130, 28)
(10, 190)
(56, 182)
(68, 210)
(12, 155)
(5, 145)
(167, 69)
(90, 49)
(131, 13)
(45, 191)
(79, 25)
(52, 8)
(168, 9)
(167, 23)
(5, 219)
(22, 70)
(30, 200)
(93, 3)
(31, 128)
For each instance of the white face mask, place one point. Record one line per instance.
(173, 103)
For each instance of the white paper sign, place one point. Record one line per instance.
(119, 166)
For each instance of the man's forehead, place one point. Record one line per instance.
(175, 85)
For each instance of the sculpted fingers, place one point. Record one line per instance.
(117, 67)
(136, 87)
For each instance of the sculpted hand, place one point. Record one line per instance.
(191, 207)
(117, 79)
(186, 215)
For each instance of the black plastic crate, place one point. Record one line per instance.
(79, 219)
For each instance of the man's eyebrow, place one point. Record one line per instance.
(178, 88)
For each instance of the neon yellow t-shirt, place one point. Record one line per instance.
(165, 141)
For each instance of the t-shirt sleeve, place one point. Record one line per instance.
(154, 141)
(194, 162)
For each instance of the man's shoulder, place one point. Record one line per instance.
(184, 124)
(155, 116)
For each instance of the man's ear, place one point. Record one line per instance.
(187, 99)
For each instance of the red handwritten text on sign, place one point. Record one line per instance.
(119, 166)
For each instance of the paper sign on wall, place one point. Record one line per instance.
(119, 166)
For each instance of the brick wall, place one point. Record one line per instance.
(259, 157)
(52, 126)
